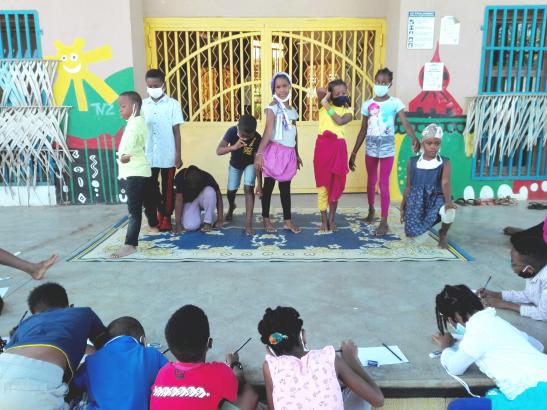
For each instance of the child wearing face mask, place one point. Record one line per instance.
(511, 358)
(133, 166)
(378, 127)
(277, 155)
(529, 261)
(427, 199)
(296, 377)
(163, 116)
(330, 158)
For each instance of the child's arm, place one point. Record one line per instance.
(351, 372)
(360, 138)
(298, 159)
(266, 137)
(220, 210)
(409, 130)
(407, 190)
(445, 182)
(176, 135)
(268, 384)
(321, 93)
(258, 190)
(178, 213)
(223, 147)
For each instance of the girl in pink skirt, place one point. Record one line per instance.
(277, 156)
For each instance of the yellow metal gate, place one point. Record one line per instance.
(220, 68)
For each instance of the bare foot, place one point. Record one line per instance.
(41, 267)
(206, 227)
(443, 241)
(370, 217)
(333, 227)
(511, 230)
(324, 228)
(268, 226)
(249, 231)
(291, 226)
(382, 229)
(230, 214)
(123, 251)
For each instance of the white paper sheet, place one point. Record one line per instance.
(3, 292)
(381, 355)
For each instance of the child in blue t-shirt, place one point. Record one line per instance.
(242, 142)
(120, 375)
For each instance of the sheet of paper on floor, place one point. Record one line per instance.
(3, 292)
(381, 355)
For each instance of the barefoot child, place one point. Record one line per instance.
(135, 169)
(529, 261)
(277, 156)
(35, 270)
(241, 142)
(378, 126)
(163, 117)
(298, 378)
(330, 157)
(427, 198)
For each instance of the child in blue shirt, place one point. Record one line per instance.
(119, 376)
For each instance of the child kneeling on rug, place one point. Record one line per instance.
(242, 142)
(505, 354)
(296, 377)
(135, 169)
(427, 199)
(529, 261)
(191, 382)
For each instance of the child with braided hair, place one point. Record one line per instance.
(505, 354)
(296, 377)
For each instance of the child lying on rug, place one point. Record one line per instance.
(296, 377)
(241, 142)
(212, 383)
(529, 261)
(120, 374)
(427, 199)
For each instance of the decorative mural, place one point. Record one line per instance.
(94, 127)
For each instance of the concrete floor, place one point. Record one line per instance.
(375, 302)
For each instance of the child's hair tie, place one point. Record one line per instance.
(276, 338)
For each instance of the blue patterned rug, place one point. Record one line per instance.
(354, 241)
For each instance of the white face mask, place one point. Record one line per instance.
(154, 92)
(431, 164)
(284, 100)
(381, 90)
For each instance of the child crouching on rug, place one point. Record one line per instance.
(427, 199)
(135, 169)
(330, 158)
(298, 378)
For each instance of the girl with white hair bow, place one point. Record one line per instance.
(427, 199)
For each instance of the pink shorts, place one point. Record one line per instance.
(279, 162)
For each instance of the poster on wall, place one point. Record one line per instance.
(450, 31)
(433, 76)
(421, 30)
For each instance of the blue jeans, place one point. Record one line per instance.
(234, 177)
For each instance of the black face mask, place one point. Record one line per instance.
(340, 101)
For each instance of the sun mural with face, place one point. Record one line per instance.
(73, 68)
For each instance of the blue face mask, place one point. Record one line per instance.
(381, 90)
(459, 329)
(340, 101)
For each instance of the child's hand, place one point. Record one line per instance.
(239, 144)
(258, 192)
(402, 215)
(349, 350)
(415, 145)
(485, 293)
(178, 162)
(125, 158)
(352, 162)
(450, 205)
(258, 162)
(230, 358)
(443, 341)
(298, 162)
(325, 100)
(321, 92)
(178, 228)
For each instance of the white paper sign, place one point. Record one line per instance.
(421, 30)
(450, 31)
(433, 76)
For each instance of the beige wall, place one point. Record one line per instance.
(98, 22)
